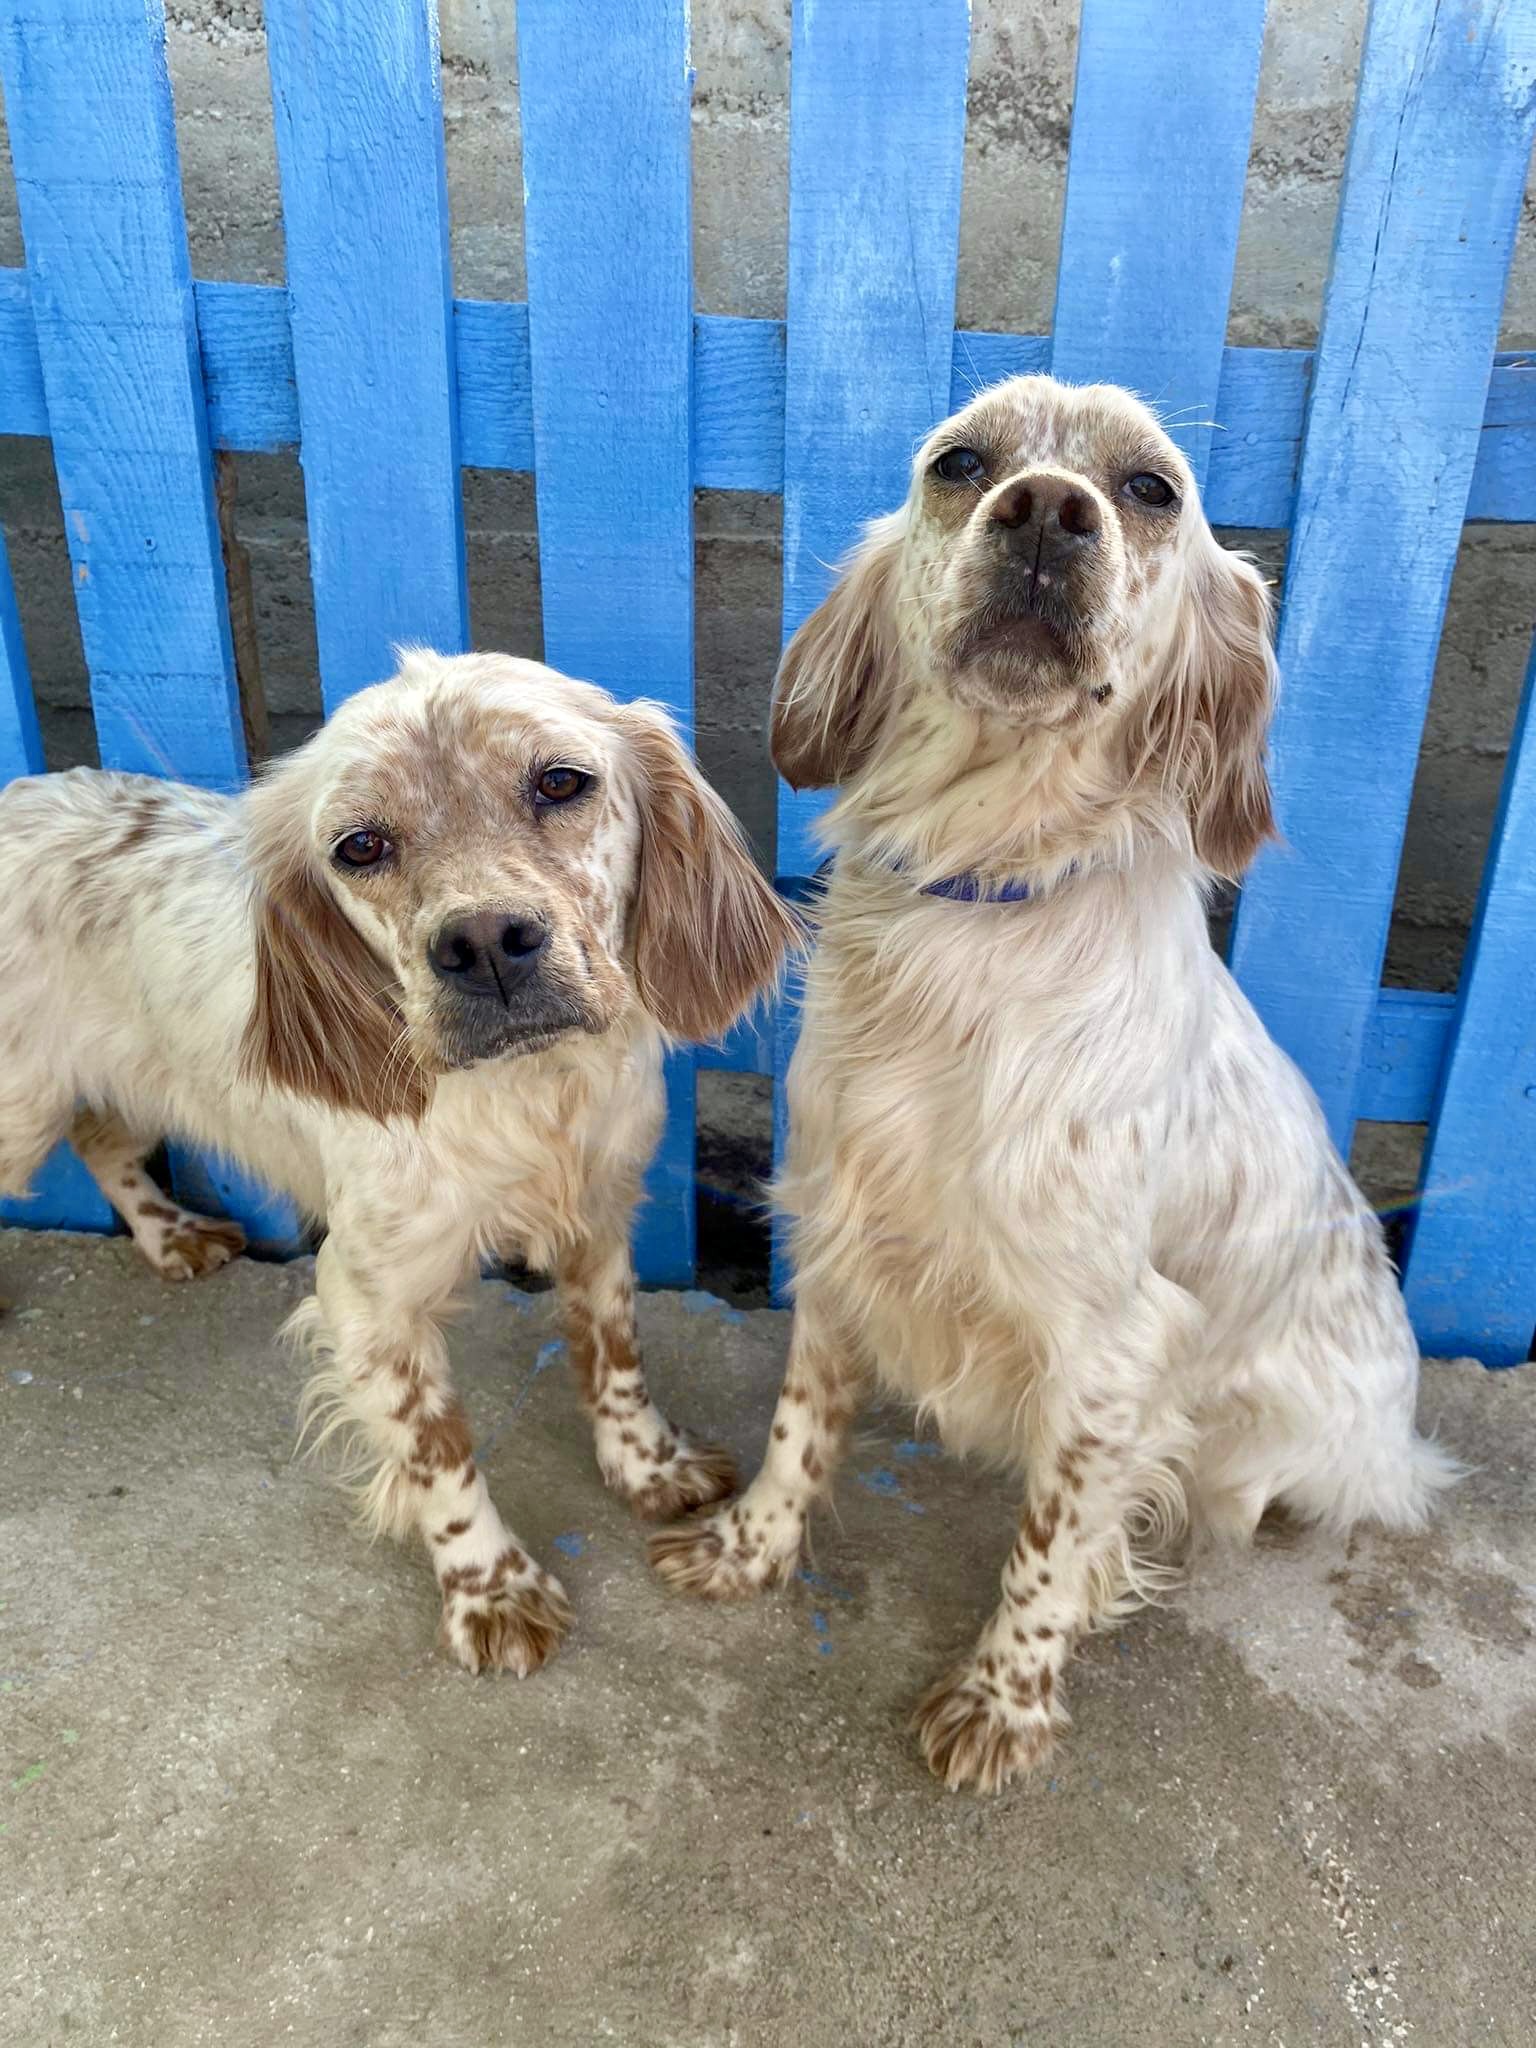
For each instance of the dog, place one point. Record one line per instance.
(1048, 1178)
(421, 977)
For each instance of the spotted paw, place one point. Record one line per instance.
(695, 1476)
(514, 1627)
(726, 1555)
(190, 1246)
(973, 1734)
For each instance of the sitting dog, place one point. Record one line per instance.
(421, 977)
(1049, 1178)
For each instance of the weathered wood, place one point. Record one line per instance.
(606, 106)
(357, 102)
(1437, 165)
(1160, 131)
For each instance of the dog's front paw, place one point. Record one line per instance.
(516, 1626)
(728, 1555)
(689, 1475)
(980, 1729)
(193, 1245)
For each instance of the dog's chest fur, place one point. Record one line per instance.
(962, 1075)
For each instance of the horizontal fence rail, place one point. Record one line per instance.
(1372, 449)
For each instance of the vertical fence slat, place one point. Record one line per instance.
(98, 182)
(88, 104)
(876, 142)
(876, 139)
(606, 108)
(357, 102)
(63, 1195)
(1161, 124)
(21, 743)
(1470, 1274)
(1432, 188)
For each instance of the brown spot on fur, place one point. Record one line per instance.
(780, 1431)
(1040, 1526)
(160, 1211)
(442, 1441)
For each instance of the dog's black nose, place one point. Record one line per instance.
(488, 953)
(1044, 518)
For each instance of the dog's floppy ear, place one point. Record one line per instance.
(709, 932)
(323, 1022)
(827, 696)
(1207, 721)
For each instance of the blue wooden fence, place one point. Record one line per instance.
(1373, 449)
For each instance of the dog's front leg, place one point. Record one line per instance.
(385, 1374)
(756, 1542)
(653, 1464)
(1103, 1509)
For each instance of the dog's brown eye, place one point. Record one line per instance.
(1148, 489)
(960, 466)
(363, 849)
(559, 785)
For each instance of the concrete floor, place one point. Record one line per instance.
(244, 1800)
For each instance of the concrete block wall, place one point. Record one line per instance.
(1020, 108)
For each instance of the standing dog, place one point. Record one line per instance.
(421, 977)
(1050, 1179)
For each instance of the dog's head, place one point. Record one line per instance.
(1052, 568)
(478, 859)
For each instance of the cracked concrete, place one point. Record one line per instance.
(244, 1800)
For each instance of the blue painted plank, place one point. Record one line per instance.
(1161, 123)
(23, 407)
(1437, 164)
(247, 351)
(1470, 1275)
(606, 105)
(21, 743)
(357, 101)
(98, 186)
(1405, 1051)
(876, 138)
(738, 420)
(89, 110)
(63, 1195)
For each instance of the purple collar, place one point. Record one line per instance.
(967, 887)
(970, 888)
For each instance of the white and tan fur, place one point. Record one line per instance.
(1050, 1179)
(175, 963)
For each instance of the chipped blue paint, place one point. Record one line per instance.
(571, 1544)
(823, 1630)
(823, 1585)
(911, 1447)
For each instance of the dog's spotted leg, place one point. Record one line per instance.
(179, 1244)
(384, 1376)
(654, 1465)
(999, 1712)
(756, 1541)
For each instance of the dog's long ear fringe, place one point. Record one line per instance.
(710, 934)
(324, 1021)
(827, 701)
(1207, 721)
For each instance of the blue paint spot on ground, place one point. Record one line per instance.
(514, 1297)
(698, 1303)
(571, 1544)
(823, 1584)
(884, 1482)
(548, 1353)
(911, 1448)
